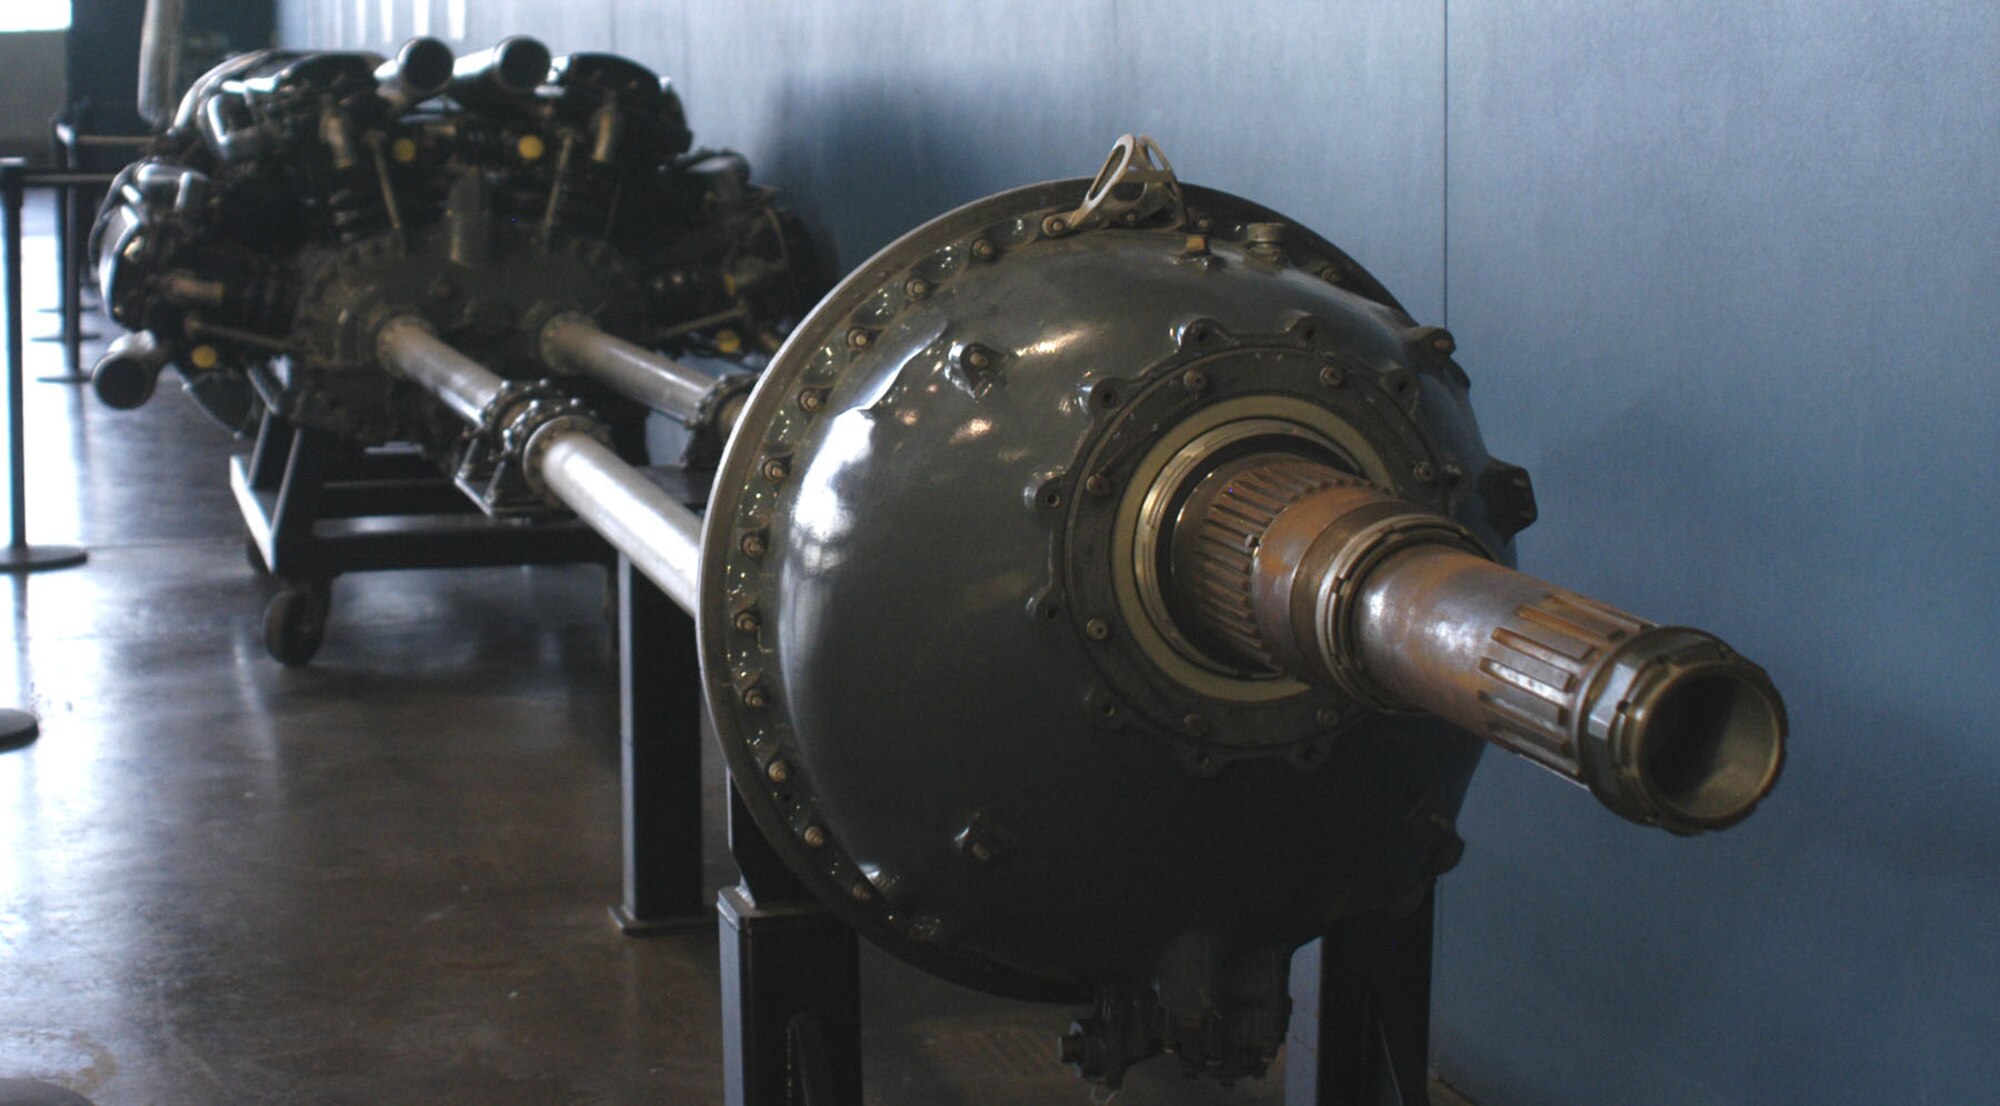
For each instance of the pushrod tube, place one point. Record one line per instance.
(572, 343)
(661, 536)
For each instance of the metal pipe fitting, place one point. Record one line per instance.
(573, 343)
(407, 346)
(566, 458)
(639, 519)
(1285, 561)
(1665, 724)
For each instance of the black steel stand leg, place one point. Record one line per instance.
(659, 678)
(1361, 1006)
(791, 985)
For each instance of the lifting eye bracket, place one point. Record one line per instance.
(1136, 185)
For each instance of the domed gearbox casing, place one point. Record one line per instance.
(925, 625)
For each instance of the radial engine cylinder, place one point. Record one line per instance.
(302, 200)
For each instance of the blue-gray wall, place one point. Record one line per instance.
(1727, 279)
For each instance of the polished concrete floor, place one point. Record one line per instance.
(379, 879)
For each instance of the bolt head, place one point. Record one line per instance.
(1194, 380)
(861, 892)
(778, 771)
(916, 288)
(753, 545)
(976, 358)
(755, 698)
(1333, 376)
(858, 338)
(815, 837)
(1097, 629)
(1097, 484)
(747, 622)
(775, 470)
(1424, 471)
(983, 249)
(1054, 224)
(811, 399)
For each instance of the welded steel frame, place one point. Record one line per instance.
(316, 508)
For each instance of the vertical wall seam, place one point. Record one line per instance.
(1444, 174)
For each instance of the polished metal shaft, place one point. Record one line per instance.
(660, 535)
(575, 344)
(409, 347)
(1293, 565)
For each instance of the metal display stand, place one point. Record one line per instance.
(1361, 1013)
(791, 1005)
(316, 508)
(659, 696)
(791, 970)
(791, 984)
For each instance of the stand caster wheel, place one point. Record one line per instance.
(295, 622)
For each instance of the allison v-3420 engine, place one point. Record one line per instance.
(1104, 590)
(525, 208)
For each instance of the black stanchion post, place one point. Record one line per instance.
(69, 244)
(19, 556)
(19, 727)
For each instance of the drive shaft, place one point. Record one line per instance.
(1290, 564)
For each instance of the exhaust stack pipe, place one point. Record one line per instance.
(421, 69)
(126, 375)
(505, 73)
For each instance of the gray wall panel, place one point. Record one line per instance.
(1726, 279)
(877, 116)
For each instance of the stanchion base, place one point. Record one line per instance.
(34, 558)
(88, 336)
(17, 728)
(65, 378)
